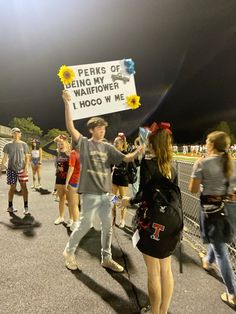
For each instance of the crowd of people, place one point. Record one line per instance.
(197, 149)
(93, 174)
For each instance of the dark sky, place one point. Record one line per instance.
(184, 53)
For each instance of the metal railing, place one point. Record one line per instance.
(191, 212)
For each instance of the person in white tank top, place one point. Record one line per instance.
(36, 163)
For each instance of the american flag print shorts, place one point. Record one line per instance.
(13, 175)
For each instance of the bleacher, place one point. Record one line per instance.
(5, 137)
(3, 142)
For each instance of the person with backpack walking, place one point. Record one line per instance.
(216, 173)
(159, 216)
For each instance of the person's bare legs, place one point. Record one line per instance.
(62, 199)
(11, 192)
(167, 284)
(38, 171)
(73, 202)
(123, 190)
(24, 191)
(34, 176)
(154, 282)
(69, 199)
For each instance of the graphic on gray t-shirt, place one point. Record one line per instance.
(96, 160)
(16, 152)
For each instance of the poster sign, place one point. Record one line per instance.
(101, 88)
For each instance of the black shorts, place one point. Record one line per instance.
(120, 180)
(61, 181)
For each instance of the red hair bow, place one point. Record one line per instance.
(154, 127)
(121, 135)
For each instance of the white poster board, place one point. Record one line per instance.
(100, 88)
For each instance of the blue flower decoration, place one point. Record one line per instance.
(143, 135)
(129, 66)
(130, 70)
(129, 63)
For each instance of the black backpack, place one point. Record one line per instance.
(161, 214)
(132, 172)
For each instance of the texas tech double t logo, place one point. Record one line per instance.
(158, 228)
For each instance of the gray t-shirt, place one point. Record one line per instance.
(96, 161)
(210, 172)
(16, 152)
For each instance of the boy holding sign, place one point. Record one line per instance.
(96, 158)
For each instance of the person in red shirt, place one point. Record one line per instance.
(71, 186)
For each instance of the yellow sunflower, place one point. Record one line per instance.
(66, 75)
(133, 101)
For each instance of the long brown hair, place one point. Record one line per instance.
(221, 143)
(161, 143)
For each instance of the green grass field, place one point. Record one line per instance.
(190, 159)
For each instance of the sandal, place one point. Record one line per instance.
(230, 301)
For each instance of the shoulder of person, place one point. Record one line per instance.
(23, 143)
(110, 146)
(82, 139)
(148, 163)
(200, 161)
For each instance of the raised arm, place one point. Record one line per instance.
(69, 122)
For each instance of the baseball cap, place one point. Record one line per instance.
(14, 130)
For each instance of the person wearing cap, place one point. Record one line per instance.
(17, 154)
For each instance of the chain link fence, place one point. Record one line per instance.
(191, 212)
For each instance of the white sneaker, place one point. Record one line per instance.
(11, 210)
(33, 187)
(69, 223)
(122, 224)
(59, 221)
(74, 226)
(111, 264)
(26, 211)
(70, 261)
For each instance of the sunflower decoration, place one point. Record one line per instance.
(133, 101)
(66, 75)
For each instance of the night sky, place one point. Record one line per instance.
(184, 52)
